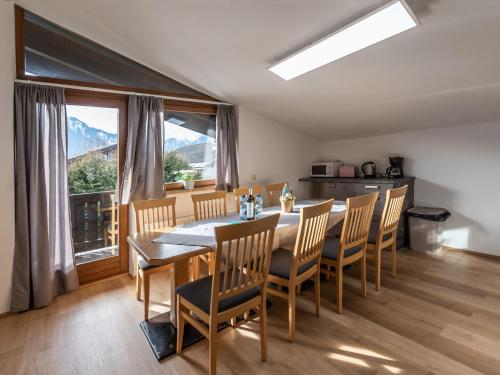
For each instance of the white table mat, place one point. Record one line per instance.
(201, 233)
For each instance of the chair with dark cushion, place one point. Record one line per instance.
(290, 268)
(235, 287)
(351, 247)
(207, 206)
(385, 236)
(151, 215)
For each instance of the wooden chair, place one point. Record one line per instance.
(274, 193)
(112, 229)
(387, 233)
(243, 190)
(351, 247)
(151, 215)
(207, 206)
(233, 289)
(291, 268)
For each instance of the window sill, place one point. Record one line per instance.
(199, 189)
(179, 186)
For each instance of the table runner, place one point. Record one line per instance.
(201, 233)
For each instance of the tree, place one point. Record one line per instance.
(173, 165)
(92, 173)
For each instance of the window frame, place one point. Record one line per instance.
(21, 70)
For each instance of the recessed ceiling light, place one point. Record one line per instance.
(389, 20)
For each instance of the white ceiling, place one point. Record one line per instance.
(444, 73)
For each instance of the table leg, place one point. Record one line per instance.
(179, 276)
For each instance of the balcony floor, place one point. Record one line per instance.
(93, 255)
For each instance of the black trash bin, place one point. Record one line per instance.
(426, 228)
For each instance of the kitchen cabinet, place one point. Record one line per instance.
(342, 188)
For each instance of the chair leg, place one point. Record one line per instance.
(233, 322)
(329, 269)
(394, 262)
(339, 276)
(363, 275)
(291, 312)
(211, 263)
(180, 326)
(299, 289)
(212, 347)
(138, 281)
(263, 329)
(195, 268)
(317, 287)
(378, 266)
(146, 295)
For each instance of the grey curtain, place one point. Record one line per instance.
(143, 173)
(227, 147)
(43, 259)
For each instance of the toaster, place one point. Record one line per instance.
(347, 171)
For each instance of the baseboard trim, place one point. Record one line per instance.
(472, 252)
(6, 315)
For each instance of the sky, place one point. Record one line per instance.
(96, 117)
(107, 119)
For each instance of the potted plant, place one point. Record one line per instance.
(287, 202)
(188, 178)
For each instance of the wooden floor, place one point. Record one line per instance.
(440, 316)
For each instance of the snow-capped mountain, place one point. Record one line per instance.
(83, 138)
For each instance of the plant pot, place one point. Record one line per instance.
(287, 206)
(188, 184)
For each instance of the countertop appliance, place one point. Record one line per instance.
(369, 169)
(396, 168)
(325, 169)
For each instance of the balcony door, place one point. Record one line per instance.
(96, 128)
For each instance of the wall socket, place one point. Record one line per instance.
(253, 177)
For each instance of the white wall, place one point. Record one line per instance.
(457, 168)
(274, 152)
(7, 74)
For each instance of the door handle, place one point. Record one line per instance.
(372, 187)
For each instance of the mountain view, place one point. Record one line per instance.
(83, 138)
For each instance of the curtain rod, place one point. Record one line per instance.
(119, 92)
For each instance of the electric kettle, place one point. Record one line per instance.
(369, 169)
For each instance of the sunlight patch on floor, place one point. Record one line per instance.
(367, 352)
(347, 359)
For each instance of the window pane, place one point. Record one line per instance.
(54, 52)
(189, 146)
(92, 181)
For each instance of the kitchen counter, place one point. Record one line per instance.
(362, 180)
(343, 188)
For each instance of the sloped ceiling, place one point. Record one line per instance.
(444, 73)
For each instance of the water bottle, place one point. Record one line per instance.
(243, 207)
(284, 192)
(258, 206)
(250, 205)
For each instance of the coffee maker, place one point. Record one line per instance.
(396, 168)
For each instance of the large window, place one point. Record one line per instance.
(190, 148)
(93, 180)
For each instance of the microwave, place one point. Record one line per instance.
(327, 169)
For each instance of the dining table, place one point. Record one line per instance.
(178, 245)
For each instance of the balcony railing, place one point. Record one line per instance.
(92, 222)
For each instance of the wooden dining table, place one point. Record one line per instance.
(196, 238)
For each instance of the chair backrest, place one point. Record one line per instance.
(358, 217)
(154, 214)
(246, 247)
(209, 205)
(243, 190)
(392, 211)
(312, 232)
(274, 193)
